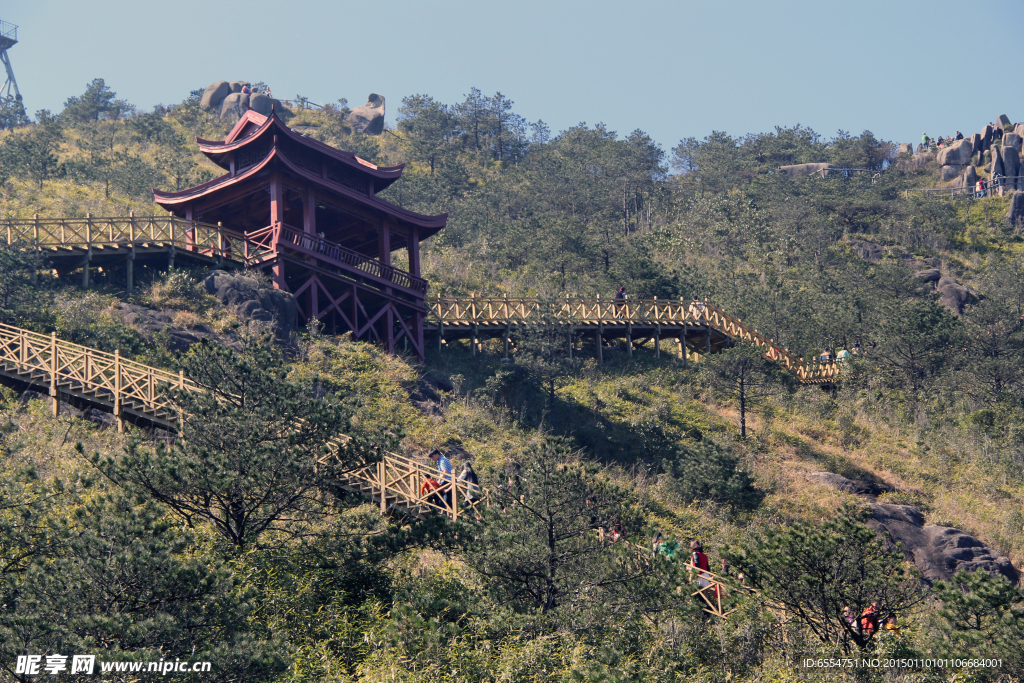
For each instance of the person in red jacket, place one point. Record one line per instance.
(869, 619)
(699, 561)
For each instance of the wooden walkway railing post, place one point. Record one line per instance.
(53, 374)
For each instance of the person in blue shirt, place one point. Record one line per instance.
(444, 468)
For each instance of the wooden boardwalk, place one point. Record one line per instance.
(136, 393)
(697, 327)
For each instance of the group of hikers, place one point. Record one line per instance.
(439, 491)
(247, 89)
(939, 142)
(870, 621)
(842, 355)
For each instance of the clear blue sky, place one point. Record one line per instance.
(672, 68)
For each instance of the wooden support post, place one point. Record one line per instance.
(35, 240)
(88, 250)
(657, 340)
(629, 338)
(381, 470)
(474, 340)
(570, 342)
(440, 330)
(129, 275)
(53, 374)
(600, 343)
(508, 334)
(455, 497)
(117, 390)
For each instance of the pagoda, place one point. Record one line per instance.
(312, 219)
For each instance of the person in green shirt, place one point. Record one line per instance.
(924, 139)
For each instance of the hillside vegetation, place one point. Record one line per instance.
(237, 551)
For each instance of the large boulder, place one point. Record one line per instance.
(957, 153)
(252, 300)
(997, 164)
(263, 104)
(952, 172)
(236, 86)
(952, 295)
(917, 162)
(369, 118)
(986, 137)
(215, 94)
(869, 251)
(906, 148)
(1019, 130)
(1012, 140)
(928, 275)
(1011, 164)
(938, 552)
(841, 483)
(1003, 121)
(798, 170)
(975, 141)
(234, 106)
(1015, 214)
(968, 178)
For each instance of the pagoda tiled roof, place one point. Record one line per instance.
(170, 200)
(253, 126)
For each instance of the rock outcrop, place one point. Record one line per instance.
(938, 552)
(917, 162)
(928, 275)
(264, 105)
(841, 483)
(369, 118)
(250, 300)
(968, 178)
(951, 171)
(952, 295)
(1012, 140)
(906, 148)
(869, 251)
(956, 154)
(215, 94)
(1011, 165)
(234, 106)
(1015, 214)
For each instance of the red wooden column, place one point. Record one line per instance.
(309, 228)
(190, 234)
(276, 219)
(384, 242)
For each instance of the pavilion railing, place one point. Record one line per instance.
(299, 240)
(513, 311)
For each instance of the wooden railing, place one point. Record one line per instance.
(109, 380)
(330, 251)
(590, 311)
(126, 231)
(95, 375)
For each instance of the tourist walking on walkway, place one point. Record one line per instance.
(444, 468)
(468, 476)
(699, 561)
(620, 301)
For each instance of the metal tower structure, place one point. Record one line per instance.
(8, 38)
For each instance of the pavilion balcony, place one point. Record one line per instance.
(274, 240)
